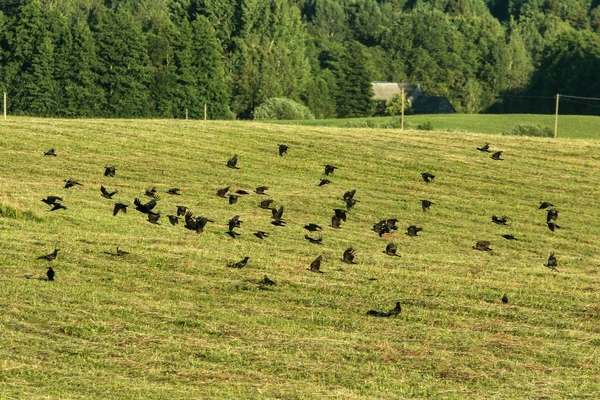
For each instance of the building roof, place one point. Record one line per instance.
(387, 90)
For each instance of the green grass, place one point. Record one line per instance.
(170, 321)
(569, 126)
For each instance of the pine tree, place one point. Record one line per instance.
(186, 94)
(355, 93)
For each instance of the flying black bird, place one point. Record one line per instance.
(234, 222)
(242, 192)
(153, 218)
(315, 266)
(394, 311)
(49, 257)
(425, 204)
(413, 230)
(545, 204)
(181, 210)
(391, 249)
(277, 214)
(57, 206)
(120, 207)
(174, 191)
(341, 214)
(312, 227)
(110, 171)
(223, 192)
(232, 163)
(121, 253)
(330, 169)
(351, 203)
(485, 148)
(348, 256)
(499, 221)
(509, 237)
(261, 189)
(50, 274)
(266, 204)
(496, 156)
(551, 215)
(261, 235)
(198, 224)
(266, 281)
(50, 200)
(427, 177)
(324, 182)
(335, 222)
(233, 198)
(349, 195)
(144, 208)
(151, 193)
(505, 298)
(70, 183)
(381, 227)
(173, 219)
(240, 264)
(314, 241)
(552, 226)
(552, 262)
(106, 194)
(50, 153)
(482, 246)
(283, 149)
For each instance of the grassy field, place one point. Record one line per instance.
(171, 321)
(569, 126)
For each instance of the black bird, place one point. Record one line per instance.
(261, 189)
(499, 221)
(266, 281)
(261, 235)
(391, 249)
(144, 208)
(496, 156)
(181, 210)
(277, 214)
(551, 215)
(312, 227)
(349, 195)
(427, 177)
(552, 226)
(173, 219)
(223, 192)
(242, 192)
(121, 253)
(235, 222)
(335, 222)
(425, 204)
(57, 206)
(509, 237)
(552, 263)
(283, 149)
(314, 241)
(232, 163)
(348, 256)
(340, 213)
(70, 183)
(266, 204)
(153, 218)
(233, 198)
(394, 311)
(50, 153)
(120, 207)
(240, 264)
(324, 182)
(50, 274)
(351, 203)
(110, 171)
(315, 266)
(50, 200)
(545, 204)
(49, 257)
(198, 224)
(330, 169)
(505, 299)
(152, 193)
(174, 191)
(413, 230)
(485, 148)
(482, 246)
(106, 194)
(385, 226)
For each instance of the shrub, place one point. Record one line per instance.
(278, 108)
(530, 130)
(425, 126)
(394, 106)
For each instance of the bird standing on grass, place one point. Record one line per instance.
(283, 149)
(394, 311)
(391, 249)
(239, 264)
(552, 263)
(505, 299)
(49, 257)
(50, 274)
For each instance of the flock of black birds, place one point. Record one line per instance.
(339, 216)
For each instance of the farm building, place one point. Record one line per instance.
(420, 104)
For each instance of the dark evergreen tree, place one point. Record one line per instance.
(354, 89)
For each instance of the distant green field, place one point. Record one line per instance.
(569, 126)
(170, 320)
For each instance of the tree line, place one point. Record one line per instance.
(157, 58)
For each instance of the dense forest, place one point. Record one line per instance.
(157, 58)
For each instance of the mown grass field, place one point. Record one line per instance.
(171, 321)
(569, 126)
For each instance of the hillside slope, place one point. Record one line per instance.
(171, 321)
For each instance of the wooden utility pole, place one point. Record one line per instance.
(4, 105)
(402, 91)
(205, 111)
(187, 114)
(556, 117)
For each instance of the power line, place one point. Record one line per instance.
(581, 102)
(579, 97)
